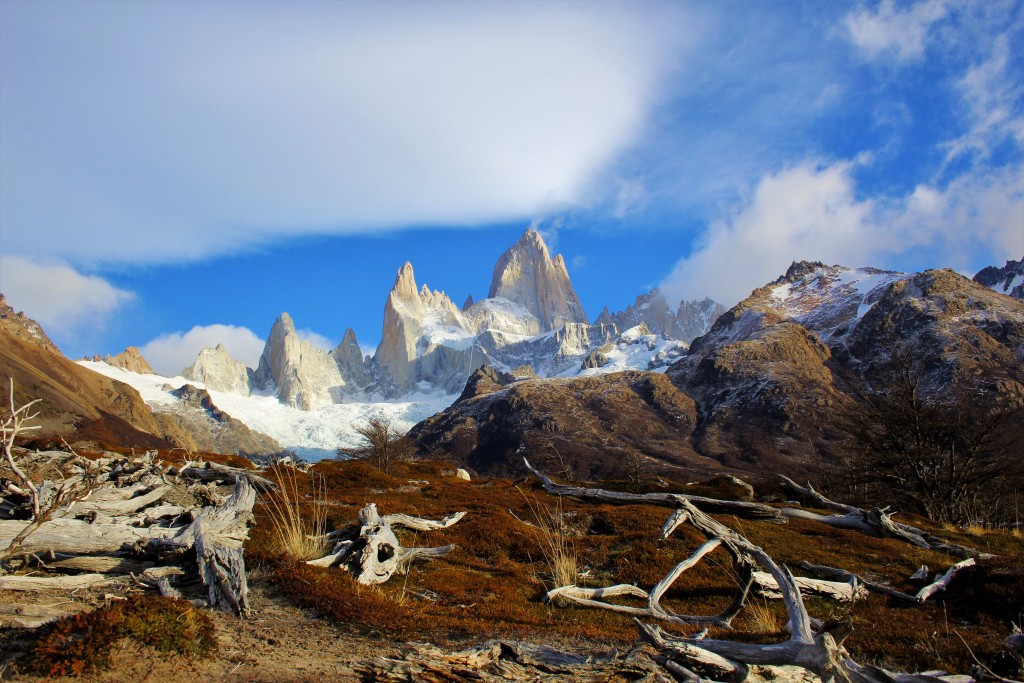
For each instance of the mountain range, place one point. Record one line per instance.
(532, 322)
(688, 386)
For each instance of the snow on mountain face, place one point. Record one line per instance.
(428, 344)
(1007, 280)
(829, 300)
(313, 434)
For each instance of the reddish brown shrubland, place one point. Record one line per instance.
(493, 583)
(80, 643)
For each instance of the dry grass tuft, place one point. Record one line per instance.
(298, 520)
(556, 540)
(761, 618)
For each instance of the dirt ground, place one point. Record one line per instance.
(278, 642)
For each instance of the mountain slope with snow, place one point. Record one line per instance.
(313, 434)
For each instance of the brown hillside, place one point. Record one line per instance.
(75, 397)
(591, 424)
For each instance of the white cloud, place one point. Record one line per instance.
(803, 212)
(339, 118)
(889, 30)
(171, 353)
(59, 298)
(812, 212)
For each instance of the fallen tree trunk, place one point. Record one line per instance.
(217, 535)
(875, 522)
(821, 653)
(21, 615)
(942, 582)
(738, 508)
(843, 591)
(38, 583)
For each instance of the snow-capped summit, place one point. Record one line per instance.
(527, 275)
(1007, 280)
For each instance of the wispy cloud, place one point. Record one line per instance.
(171, 353)
(64, 301)
(890, 30)
(176, 132)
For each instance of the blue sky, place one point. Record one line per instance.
(176, 174)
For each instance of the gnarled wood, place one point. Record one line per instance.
(843, 591)
(37, 583)
(942, 582)
(217, 535)
(874, 522)
(673, 500)
(375, 555)
(851, 577)
(820, 653)
(21, 615)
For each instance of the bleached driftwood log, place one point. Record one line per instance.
(942, 582)
(217, 535)
(874, 522)
(742, 509)
(850, 577)
(21, 615)
(375, 554)
(691, 658)
(843, 591)
(223, 474)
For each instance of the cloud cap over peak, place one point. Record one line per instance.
(176, 132)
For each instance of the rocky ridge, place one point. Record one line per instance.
(219, 371)
(527, 275)
(690, 320)
(198, 425)
(1007, 280)
(532, 318)
(764, 384)
(131, 359)
(301, 374)
(17, 324)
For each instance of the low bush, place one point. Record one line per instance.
(80, 643)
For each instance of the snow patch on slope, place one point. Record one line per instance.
(312, 434)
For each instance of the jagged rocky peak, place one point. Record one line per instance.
(349, 357)
(469, 302)
(798, 270)
(690, 320)
(301, 373)
(131, 359)
(527, 275)
(24, 328)
(1007, 280)
(404, 288)
(219, 371)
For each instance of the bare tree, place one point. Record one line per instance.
(383, 443)
(44, 499)
(947, 455)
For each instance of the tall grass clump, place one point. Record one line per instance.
(298, 521)
(556, 540)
